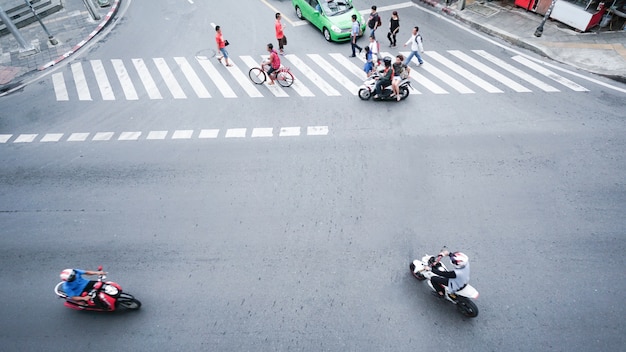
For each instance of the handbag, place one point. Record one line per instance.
(226, 43)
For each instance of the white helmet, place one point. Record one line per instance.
(459, 260)
(68, 275)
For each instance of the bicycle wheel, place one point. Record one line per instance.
(257, 75)
(285, 78)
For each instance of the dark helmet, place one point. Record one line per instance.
(387, 61)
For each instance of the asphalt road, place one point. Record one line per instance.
(303, 242)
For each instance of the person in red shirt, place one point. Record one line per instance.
(280, 35)
(221, 46)
(273, 61)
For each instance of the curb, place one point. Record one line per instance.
(77, 47)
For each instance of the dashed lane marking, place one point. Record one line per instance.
(240, 132)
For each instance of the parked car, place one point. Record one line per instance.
(332, 17)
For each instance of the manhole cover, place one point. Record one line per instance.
(205, 54)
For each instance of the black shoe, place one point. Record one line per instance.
(360, 49)
(351, 55)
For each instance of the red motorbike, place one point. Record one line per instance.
(109, 293)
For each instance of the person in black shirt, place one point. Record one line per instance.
(394, 26)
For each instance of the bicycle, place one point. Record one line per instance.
(284, 77)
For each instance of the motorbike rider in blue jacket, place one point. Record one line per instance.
(74, 284)
(455, 280)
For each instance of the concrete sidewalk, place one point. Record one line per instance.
(72, 27)
(603, 53)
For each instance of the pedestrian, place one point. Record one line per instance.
(280, 35)
(375, 50)
(221, 46)
(394, 26)
(416, 46)
(374, 21)
(369, 63)
(356, 31)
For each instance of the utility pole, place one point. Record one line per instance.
(539, 30)
(50, 36)
(25, 48)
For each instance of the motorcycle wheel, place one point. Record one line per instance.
(467, 307)
(364, 94)
(404, 93)
(129, 302)
(416, 275)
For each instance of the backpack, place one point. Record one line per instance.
(420, 42)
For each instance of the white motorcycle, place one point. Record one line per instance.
(463, 298)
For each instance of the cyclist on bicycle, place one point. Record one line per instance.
(273, 61)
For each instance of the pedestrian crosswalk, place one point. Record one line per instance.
(326, 75)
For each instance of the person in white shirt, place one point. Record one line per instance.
(416, 46)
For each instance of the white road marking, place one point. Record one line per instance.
(312, 75)
(553, 76)
(490, 72)
(25, 138)
(349, 65)
(336, 74)
(103, 81)
(262, 132)
(129, 136)
(146, 79)
(317, 130)
(78, 137)
(289, 132)
(215, 76)
(519, 73)
(156, 135)
(182, 134)
(81, 82)
(235, 133)
(275, 89)
(103, 136)
(52, 137)
(463, 72)
(168, 77)
(192, 78)
(60, 90)
(125, 81)
(211, 133)
(5, 137)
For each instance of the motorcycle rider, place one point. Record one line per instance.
(74, 284)
(399, 69)
(385, 79)
(454, 280)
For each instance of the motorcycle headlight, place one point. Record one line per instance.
(335, 29)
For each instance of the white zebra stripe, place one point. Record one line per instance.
(519, 73)
(463, 72)
(553, 76)
(170, 80)
(192, 78)
(146, 79)
(60, 90)
(490, 72)
(103, 81)
(215, 76)
(80, 81)
(122, 75)
(312, 75)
